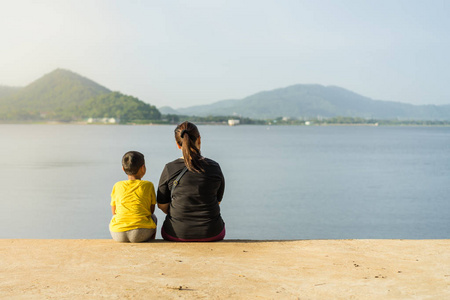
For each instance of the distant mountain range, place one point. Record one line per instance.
(6, 91)
(312, 101)
(63, 95)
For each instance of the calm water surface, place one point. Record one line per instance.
(281, 182)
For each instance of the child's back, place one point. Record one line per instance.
(133, 203)
(133, 199)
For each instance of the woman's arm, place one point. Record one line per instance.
(163, 194)
(164, 207)
(113, 209)
(221, 189)
(152, 208)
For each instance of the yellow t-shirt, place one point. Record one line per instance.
(132, 199)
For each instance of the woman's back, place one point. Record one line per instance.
(194, 211)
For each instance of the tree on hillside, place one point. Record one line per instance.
(117, 105)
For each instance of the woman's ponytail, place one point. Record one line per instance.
(186, 135)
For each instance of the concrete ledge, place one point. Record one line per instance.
(309, 269)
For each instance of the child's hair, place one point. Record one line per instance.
(186, 134)
(132, 161)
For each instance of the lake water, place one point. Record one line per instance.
(298, 182)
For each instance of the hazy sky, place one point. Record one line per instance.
(182, 53)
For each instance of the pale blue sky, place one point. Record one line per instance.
(183, 53)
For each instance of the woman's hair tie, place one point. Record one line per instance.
(183, 132)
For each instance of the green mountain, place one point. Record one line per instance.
(6, 91)
(311, 101)
(66, 96)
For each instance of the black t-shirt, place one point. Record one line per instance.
(194, 211)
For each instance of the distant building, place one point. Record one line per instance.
(233, 122)
(103, 120)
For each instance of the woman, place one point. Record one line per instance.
(193, 212)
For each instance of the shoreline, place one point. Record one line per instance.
(237, 269)
(50, 123)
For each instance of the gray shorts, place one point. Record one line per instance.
(138, 235)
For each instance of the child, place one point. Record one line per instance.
(133, 203)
